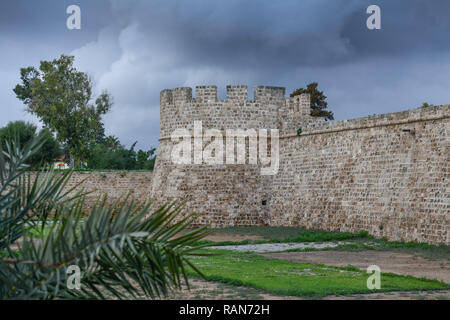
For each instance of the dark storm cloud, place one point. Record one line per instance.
(246, 33)
(136, 48)
(292, 33)
(412, 27)
(38, 21)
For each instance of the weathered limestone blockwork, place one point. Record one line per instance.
(113, 184)
(227, 194)
(387, 174)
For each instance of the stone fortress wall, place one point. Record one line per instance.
(229, 195)
(386, 174)
(115, 185)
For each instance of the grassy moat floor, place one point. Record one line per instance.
(294, 263)
(408, 270)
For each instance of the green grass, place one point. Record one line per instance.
(424, 250)
(37, 231)
(269, 233)
(108, 170)
(427, 251)
(97, 170)
(4, 253)
(283, 277)
(359, 241)
(432, 254)
(284, 235)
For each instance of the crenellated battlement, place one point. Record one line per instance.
(166, 97)
(237, 93)
(234, 93)
(182, 94)
(270, 108)
(273, 95)
(206, 93)
(299, 105)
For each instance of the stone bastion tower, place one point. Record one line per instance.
(226, 194)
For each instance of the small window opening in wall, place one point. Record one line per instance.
(412, 131)
(264, 202)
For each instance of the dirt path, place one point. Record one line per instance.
(388, 261)
(222, 237)
(400, 295)
(207, 290)
(276, 247)
(204, 290)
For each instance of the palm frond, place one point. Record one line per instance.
(124, 250)
(125, 254)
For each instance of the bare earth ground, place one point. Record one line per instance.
(388, 261)
(207, 290)
(204, 290)
(221, 237)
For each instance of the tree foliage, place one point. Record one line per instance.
(118, 158)
(123, 250)
(112, 155)
(426, 105)
(318, 101)
(62, 98)
(146, 159)
(25, 132)
(112, 143)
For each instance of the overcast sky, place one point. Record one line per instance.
(136, 48)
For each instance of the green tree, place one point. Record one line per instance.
(62, 98)
(101, 138)
(20, 130)
(123, 250)
(112, 142)
(146, 159)
(24, 132)
(112, 157)
(50, 150)
(426, 105)
(318, 101)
